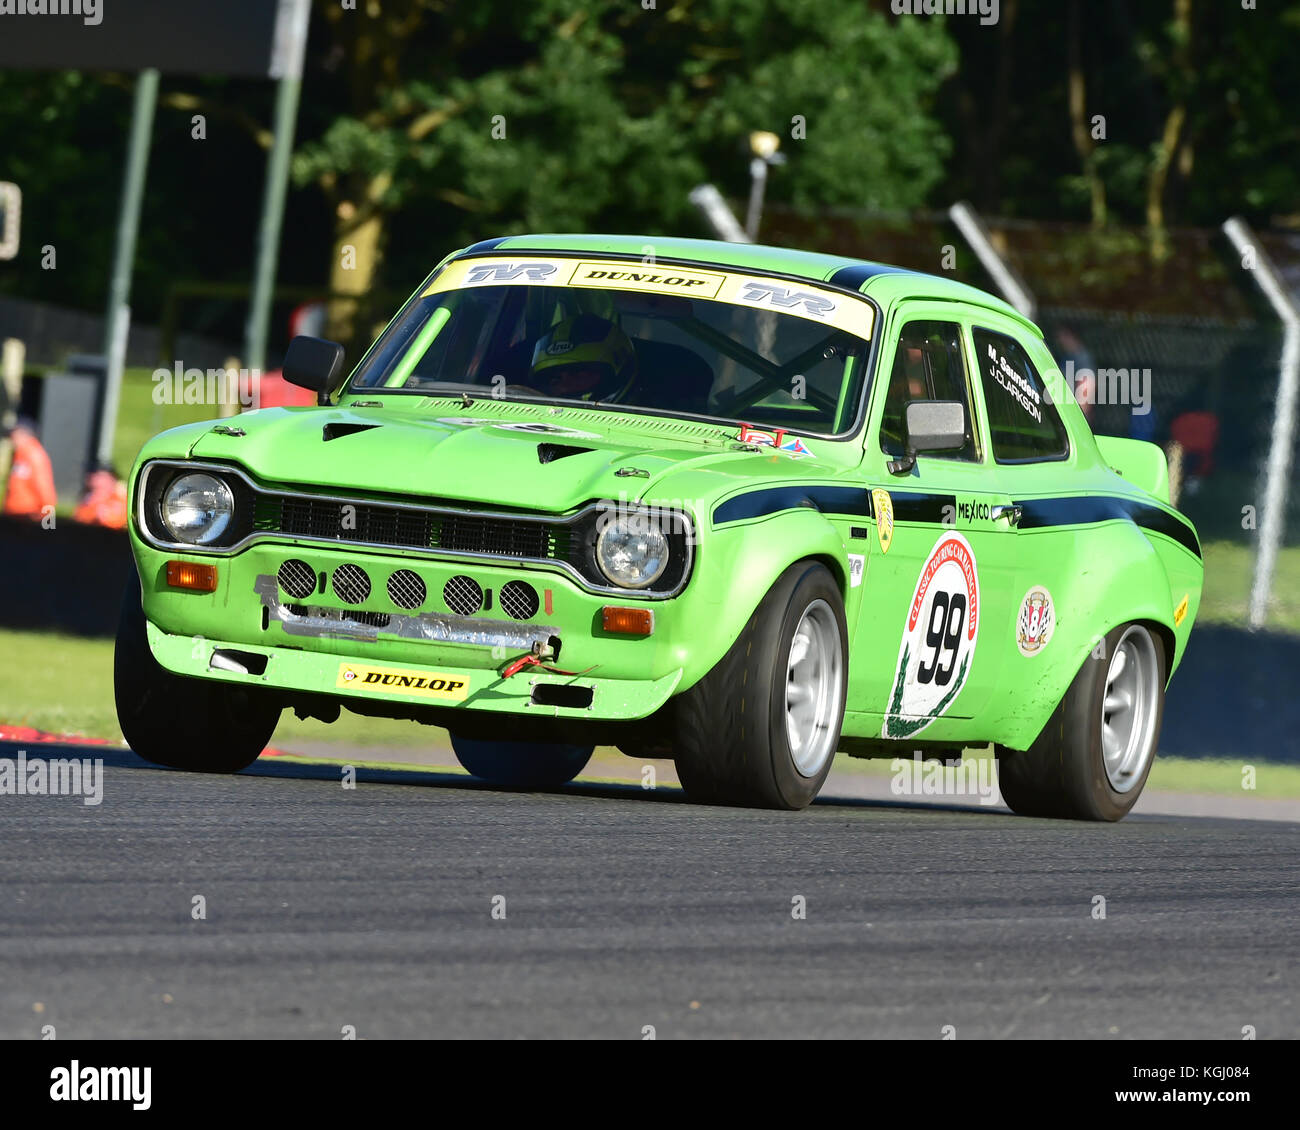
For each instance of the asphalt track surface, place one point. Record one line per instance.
(373, 907)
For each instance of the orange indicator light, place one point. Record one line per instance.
(188, 575)
(627, 621)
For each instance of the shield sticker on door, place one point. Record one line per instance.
(883, 508)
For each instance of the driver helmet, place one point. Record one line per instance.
(585, 357)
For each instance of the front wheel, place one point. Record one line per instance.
(521, 765)
(199, 724)
(1095, 753)
(761, 729)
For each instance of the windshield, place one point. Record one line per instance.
(778, 354)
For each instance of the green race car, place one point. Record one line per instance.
(736, 506)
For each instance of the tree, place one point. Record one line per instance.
(466, 120)
(1196, 98)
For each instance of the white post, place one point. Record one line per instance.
(757, 187)
(723, 221)
(11, 208)
(1273, 519)
(1006, 280)
(13, 354)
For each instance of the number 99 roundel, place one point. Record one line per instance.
(939, 638)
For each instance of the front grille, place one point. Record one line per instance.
(377, 524)
(406, 589)
(501, 537)
(353, 521)
(518, 600)
(356, 616)
(351, 584)
(374, 619)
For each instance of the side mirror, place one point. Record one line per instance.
(932, 425)
(936, 425)
(314, 363)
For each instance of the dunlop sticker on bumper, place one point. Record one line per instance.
(400, 680)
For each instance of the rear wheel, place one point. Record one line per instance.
(1094, 755)
(762, 727)
(521, 765)
(199, 724)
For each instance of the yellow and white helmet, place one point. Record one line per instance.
(585, 357)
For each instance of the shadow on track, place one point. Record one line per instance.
(118, 757)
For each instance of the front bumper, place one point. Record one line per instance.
(427, 656)
(356, 675)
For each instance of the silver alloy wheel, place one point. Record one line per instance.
(1129, 709)
(812, 689)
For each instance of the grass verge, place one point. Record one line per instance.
(64, 684)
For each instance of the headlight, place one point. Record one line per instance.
(632, 551)
(197, 508)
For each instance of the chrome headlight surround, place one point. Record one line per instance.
(640, 549)
(201, 507)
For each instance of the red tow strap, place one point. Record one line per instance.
(513, 668)
(517, 665)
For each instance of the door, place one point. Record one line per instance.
(927, 647)
(1030, 446)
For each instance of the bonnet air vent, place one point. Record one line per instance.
(337, 431)
(550, 452)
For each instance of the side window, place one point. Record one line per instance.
(928, 366)
(1023, 422)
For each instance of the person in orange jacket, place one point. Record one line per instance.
(104, 502)
(30, 492)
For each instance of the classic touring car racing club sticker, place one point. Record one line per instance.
(939, 639)
(1036, 622)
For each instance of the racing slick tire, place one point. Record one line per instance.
(197, 724)
(760, 730)
(521, 765)
(1094, 755)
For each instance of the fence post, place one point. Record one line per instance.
(1273, 522)
(117, 318)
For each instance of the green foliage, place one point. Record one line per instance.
(1007, 110)
(48, 123)
(613, 113)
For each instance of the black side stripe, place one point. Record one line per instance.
(1084, 510)
(934, 509)
(916, 506)
(772, 500)
(909, 506)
